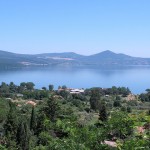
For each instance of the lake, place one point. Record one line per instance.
(137, 79)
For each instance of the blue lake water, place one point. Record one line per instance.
(137, 79)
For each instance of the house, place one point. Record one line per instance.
(110, 143)
(76, 91)
(9, 98)
(19, 95)
(31, 103)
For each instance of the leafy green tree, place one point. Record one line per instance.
(64, 87)
(144, 97)
(147, 90)
(45, 138)
(103, 116)
(120, 125)
(65, 94)
(40, 127)
(124, 91)
(4, 88)
(2, 147)
(59, 87)
(12, 87)
(135, 143)
(40, 94)
(11, 125)
(22, 87)
(30, 86)
(52, 108)
(148, 112)
(44, 88)
(23, 84)
(118, 98)
(33, 142)
(114, 90)
(4, 109)
(117, 103)
(129, 109)
(95, 99)
(123, 108)
(51, 87)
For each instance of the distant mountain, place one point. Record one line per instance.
(109, 55)
(62, 55)
(109, 58)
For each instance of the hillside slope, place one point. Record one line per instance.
(107, 57)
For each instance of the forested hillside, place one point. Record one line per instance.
(105, 58)
(73, 119)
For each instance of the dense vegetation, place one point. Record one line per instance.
(48, 119)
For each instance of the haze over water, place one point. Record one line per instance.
(137, 79)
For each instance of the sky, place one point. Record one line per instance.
(82, 26)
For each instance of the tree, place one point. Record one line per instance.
(148, 112)
(103, 116)
(95, 99)
(22, 87)
(52, 108)
(64, 87)
(11, 125)
(51, 87)
(65, 94)
(33, 120)
(23, 136)
(144, 97)
(118, 98)
(23, 84)
(147, 90)
(44, 88)
(59, 87)
(117, 103)
(12, 87)
(120, 125)
(30, 86)
(123, 108)
(124, 91)
(129, 109)
(4, 88)
(114, 90)
(4, 110)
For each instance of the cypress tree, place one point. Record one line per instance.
(95, 99)
(11, 126)
(52, 108)
(32, 120)
(23, 136)
(103, 113)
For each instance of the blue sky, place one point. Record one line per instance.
(81, 26)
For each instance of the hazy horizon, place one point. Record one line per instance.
(84, 27)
